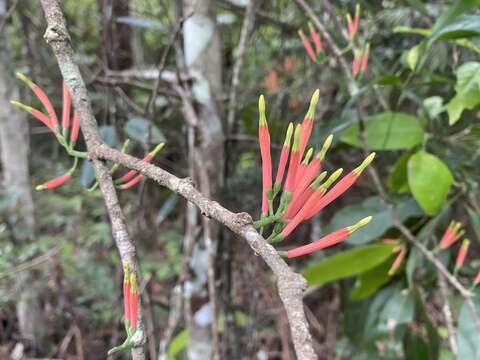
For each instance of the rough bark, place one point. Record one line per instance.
(16, 187)
(205, 145)
(291, 285)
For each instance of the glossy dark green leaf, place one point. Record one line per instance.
(178, 343)
(430, 181)
(405, 207)
(399, 309)
(347, 264)
(463, 26)
(467, 91)
(397, 181)
(468, 337)
(138, 128)
(370, 281)
(390, 80)
(387, 131)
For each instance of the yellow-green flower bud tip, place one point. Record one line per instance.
(308, 156)
(311, 27)
(349, 18)
(301, 34)
(325, 147)
(21, 106)
(359, 224)
(261, 110)
(364, 164)
(25, 79)
(296, 138)
(157, 149)
(126, 271)
(40, 187)
(367, 48)
(357, 10)
(133, 282)
(288, 136)
(332, 179)
(318, 180)
(125, 145)
(313, 105)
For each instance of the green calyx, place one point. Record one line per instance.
(261, 110)
(358, 170)
(313, 104)
(325, 147)
(26, 80)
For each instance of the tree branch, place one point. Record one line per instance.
(58, 38)
(290, 284)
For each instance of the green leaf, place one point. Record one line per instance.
(468, 334)
(177, 344)
(463, 26)
(467, 91)
(433, 105)
(397, 180)
(389, 80)
(387, 131)
(138, 129)
(370, 281)
(410, 30)
(430, 181)
(347, 264)
(405, 207)
(412, 57)
(474, 221)
(398, 310)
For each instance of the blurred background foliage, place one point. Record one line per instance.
(424, 66)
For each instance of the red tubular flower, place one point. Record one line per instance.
(36, 113)
(283, 158)
(343, 185)
(328, 240)
(42, 97)
(133, 301)
(54, 183)
(294, 162)
(398, 261)
(67, 101)
(317, 41)
(356, 19)
(363, 65)
(75, 129)
(264, 140)
(301, 199)
(305, 177)
(307, 124)
(462, 254)
(452, 234)
(147, 158)
(477, 279)
(357, 61)
(126, 293)
(60, 180)
(131, 183)
(304, 208)
(307, 46)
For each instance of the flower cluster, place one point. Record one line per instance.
(317, 42)
(68, 139)
(130, 306)
(305, 191)
(361, 51)
(451, 235)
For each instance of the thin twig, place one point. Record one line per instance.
(247, 27)
(8, 14)
(447, 312)
(58, 38)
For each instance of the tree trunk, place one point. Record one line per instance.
(17, 189)
(205, 137)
